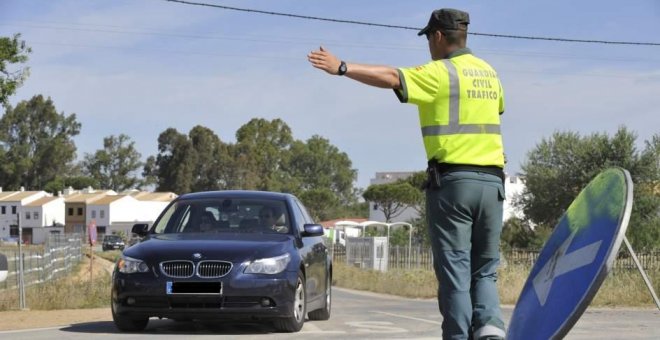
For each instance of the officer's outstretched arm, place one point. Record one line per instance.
(374, 75)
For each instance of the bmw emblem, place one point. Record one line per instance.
(197, 256)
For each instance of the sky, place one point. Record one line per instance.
(138, 67)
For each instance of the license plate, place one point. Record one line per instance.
(197, 288)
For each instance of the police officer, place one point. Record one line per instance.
(459, 98)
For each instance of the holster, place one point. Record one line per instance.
(433, 177)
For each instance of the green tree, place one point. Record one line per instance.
(210, 156)
(560, 167)
(264, 157)
(12, 51)
(116, 165)
(391, 198)
(319, 165)
(199, 161)
(174, 165)
(418, 181)
(260, 153)
(319, 203)
(36, 144)
(420, 225)
(76, 182)
(400, 236)
(518, 233)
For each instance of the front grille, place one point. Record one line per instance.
(177, 269)
(213, 269)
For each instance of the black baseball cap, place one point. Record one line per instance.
(447, 19)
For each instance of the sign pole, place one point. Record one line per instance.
(21, 280)
(641, 271)
(91, 263)
(91, 232)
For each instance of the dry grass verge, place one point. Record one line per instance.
(622, 288)
(415, 283)
(71, 292)
(111, 255)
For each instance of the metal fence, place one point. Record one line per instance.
(417, 257)
(58, 256)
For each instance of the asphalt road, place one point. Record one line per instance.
(356, 315)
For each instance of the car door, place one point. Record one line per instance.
(306, 252)
(317, 264)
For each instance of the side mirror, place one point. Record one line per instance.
(140, 229)
(312, 230)
(3, 267)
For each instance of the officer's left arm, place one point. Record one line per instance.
(374, 75)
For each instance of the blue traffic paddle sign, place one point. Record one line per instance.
(575, 260)
(3, 267)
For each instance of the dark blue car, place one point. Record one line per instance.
(226, 255)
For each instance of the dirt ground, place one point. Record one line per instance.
(12, 320)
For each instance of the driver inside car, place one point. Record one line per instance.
(272, 218)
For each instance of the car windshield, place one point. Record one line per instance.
(113, 238)
(225, 215)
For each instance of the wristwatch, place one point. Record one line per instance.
(342, 69)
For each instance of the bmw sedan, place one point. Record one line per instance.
(225, 255)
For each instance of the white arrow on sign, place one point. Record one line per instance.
(562, 263)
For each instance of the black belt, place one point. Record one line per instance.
(444, 168)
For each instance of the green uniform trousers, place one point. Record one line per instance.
(465, 223)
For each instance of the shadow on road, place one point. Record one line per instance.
(166, 326)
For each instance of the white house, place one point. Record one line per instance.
(10, 204)
(110, 209)
(4, 227)
(118, 213)
(153, 203)
(42, 216)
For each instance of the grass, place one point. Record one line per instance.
(73, 291)
(13, 247)
(621, 288)
(415, 283)
(112, 255)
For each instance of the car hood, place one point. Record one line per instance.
(233, 247)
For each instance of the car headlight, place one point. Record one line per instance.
(128, 265)
(271, 265)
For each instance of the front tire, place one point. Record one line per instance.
(295, 322)
(324, 313)
(128, 324)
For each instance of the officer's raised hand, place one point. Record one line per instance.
(374, 75)
(326, 61)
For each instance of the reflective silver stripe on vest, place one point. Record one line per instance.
(454, 101)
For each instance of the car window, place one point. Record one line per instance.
(300, 218)
(308, 218)
(225, 215)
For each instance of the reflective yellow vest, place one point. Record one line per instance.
(460, 100)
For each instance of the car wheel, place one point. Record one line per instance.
(295, 322)
(324, 313)
(128, 324)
